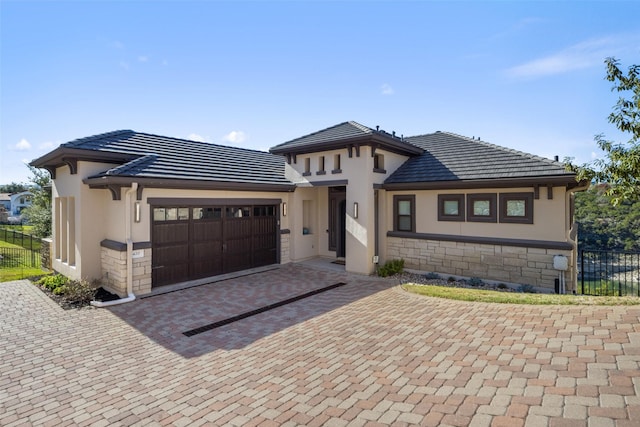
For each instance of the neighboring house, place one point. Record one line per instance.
(19, 201)
(143, 211)
(14, 203)
(5, 202)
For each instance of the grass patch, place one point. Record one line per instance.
(19, 273)
(475, 295)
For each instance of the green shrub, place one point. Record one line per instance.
(606, 289)
(60, 290)
(475, 281)
(391, 267)
(432, 276)
(502, 286)
(53, 282)
(451, 279)
(527, 289)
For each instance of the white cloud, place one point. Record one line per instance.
(116, 44)
(124, 65)
(23, 145)
(235, 137)
(196, 137)
(143, 58)
(386, 89)
(589, 53)
(165, 62)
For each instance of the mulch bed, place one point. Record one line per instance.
(422, 279)
(100, 295)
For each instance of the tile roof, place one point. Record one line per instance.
(451, 157)
(345, 130)
(163, 157)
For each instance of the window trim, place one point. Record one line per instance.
(411, 198)
(337, 164)
(492, 198)
(442, 198)
(321, 166)
(307, 166)
(528, 208)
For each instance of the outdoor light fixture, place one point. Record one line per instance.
(284, 209)
(136, 212)
(355, 209)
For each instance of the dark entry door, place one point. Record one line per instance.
(337, 220)
(194, 242)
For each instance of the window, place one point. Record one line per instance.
(516, 208)
(170, 214)
(336, 164)
(307, 166)
(450, 207)
(321, 170)
(207, 213)
(404, 214)
(237, 212)
(378, 163)
(481, 208)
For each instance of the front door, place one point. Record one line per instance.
(337, 220)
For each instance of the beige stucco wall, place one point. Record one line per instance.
(358, 172)
(549, 216)
(88, 215)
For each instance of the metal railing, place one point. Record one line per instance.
(609, 273)
(19, 257)
(19, 238)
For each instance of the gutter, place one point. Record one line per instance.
(130, 296)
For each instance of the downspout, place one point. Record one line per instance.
(582, 186)
(127, 227)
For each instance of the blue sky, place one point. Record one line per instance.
(525, 75)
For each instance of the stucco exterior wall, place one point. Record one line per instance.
(549, 216)
(502, 263)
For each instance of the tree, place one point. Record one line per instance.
(13, 188)
(621, 166)
(39, 213)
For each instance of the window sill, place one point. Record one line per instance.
(336, 171)
(321, 173)
(306, 173)
(377, 170)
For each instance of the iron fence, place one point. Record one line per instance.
(19, 257)
(609, 273)
(14, 237)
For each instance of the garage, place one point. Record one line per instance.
(196, 239)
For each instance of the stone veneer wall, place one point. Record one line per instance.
(45, 253)
(502, 263)
(114, 271)
(285, 245)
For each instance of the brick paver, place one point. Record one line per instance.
(364, 354)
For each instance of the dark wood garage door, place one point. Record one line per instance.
(192, 242)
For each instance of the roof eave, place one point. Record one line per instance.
(115, 183)
(375, 139)
(555, 180)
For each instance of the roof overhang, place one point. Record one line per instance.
(66, 156)
(116, 183)
(375, 140)
(568, 181)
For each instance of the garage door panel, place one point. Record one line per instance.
(211, 241)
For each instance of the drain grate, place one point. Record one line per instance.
(229, 320)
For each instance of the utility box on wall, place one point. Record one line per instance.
(561, 262)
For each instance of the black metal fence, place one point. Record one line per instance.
(19, 257)
(19, 238)
(609, 273)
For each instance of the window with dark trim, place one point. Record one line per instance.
(307, 166)
(481, 207)
(336, 164)
(450, 207)
(378, 163)
(321, 170)
(404, 213)
(516, 208)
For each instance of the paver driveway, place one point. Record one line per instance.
(364, 353)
